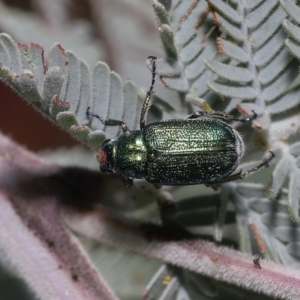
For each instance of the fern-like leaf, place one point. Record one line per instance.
(64, 88)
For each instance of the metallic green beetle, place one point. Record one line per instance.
(202, 148)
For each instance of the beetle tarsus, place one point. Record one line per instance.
(246, 120)
(90, 114)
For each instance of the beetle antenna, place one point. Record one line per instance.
(89, 113)
(150, 92)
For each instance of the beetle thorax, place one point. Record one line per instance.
(130, 154)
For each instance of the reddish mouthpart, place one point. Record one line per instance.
(101, 156)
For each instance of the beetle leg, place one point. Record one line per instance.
(128, 181)
(232, 177)
(248, 119)
(109, 122)
(220, 115)
(215, 114)
(214, 186)
(241, 175)
(265, 162)
(149, 94)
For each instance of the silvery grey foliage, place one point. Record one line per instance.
(240, 54)
(65, 87)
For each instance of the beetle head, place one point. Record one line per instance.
(105, 156)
